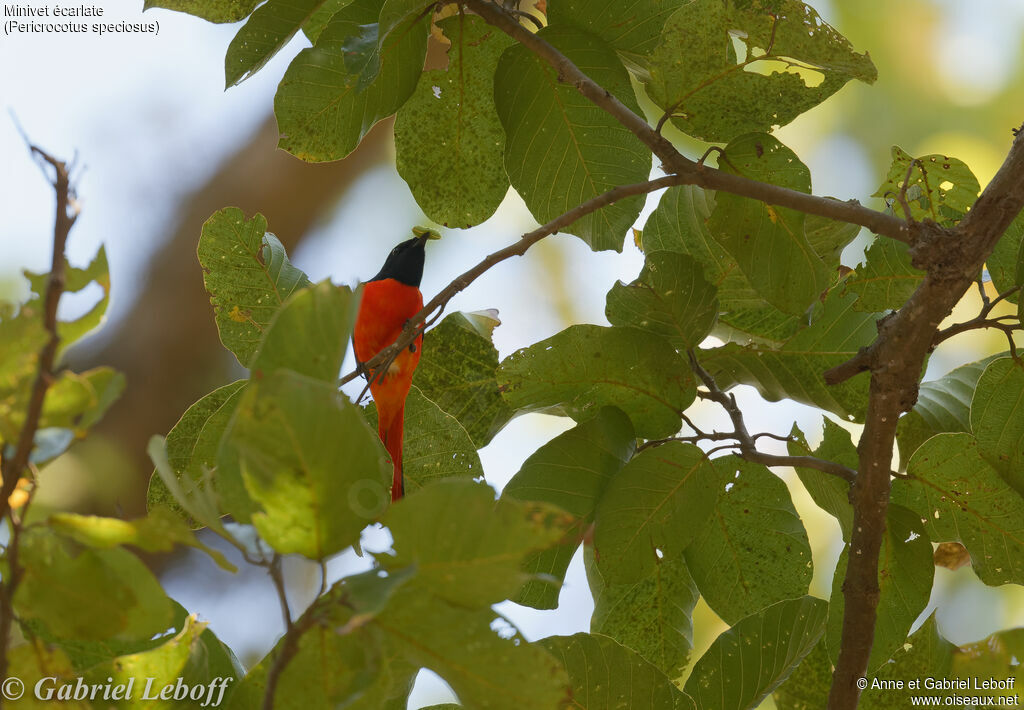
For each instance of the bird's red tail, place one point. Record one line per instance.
(391, 434)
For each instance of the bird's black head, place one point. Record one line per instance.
(405, 262)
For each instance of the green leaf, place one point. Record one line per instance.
(754, 551)
(335, 638)
(885, 281)
(334, 92)
(807, 687)
(997, 419)
(756, 655)
(795, 370)
(963, 499)
(724, 69)
(158, 532)
(939, 188)
(828, 237)
(659, 501)
(192, 447)
(457, 371)
(652, 616)
(829, 492)
(925, 655)
(309, 334)
(586, 367)
(218, 11)
(196, 498)
(606, 675)
(905, 572)
(561, 149)
(36, 663)
(993, 658)
(468, 548)
(311, 461)
(321, 16)
(88, 593)
(450, 127)
(679, 224)
(943, 405)
(767, 241)
(77, 401)
(485, 670)
(75, 280)
(571, 471)
(632, 28)
(669, 298)
(435, 447)
(266, 32)
(1006, 264)
(248, 276)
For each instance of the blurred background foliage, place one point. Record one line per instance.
(163, 147)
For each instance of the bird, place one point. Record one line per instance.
(389, 300)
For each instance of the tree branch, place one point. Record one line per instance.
(412, 327)
(746, 443)
(954, 257)
(673, 161)
(65, 215)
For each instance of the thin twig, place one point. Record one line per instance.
(66, 213)
(412, 329)
(746, 443)
(982, 320)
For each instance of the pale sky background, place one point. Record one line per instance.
(149, 119)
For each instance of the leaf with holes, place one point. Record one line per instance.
(450, 127)
(724, 69)
(756, 655)
(560, 148)
(961, 498)
(248, 277)
(586, 367)
(654, 507)
(939, 188)
(571, 471)
(754, 551)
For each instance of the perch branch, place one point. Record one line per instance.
(412, 327)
